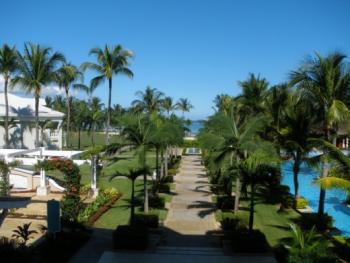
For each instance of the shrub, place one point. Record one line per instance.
(85, 189)
(232, 221)
(173, 171)
(156, 201)
(148, 220)
(322, 223)
(301, 203)
(225, 202)
(70, 207)
(244, 241)
(164, 188)
(342, 247)
(168, 179)
(288, 202)
(130, 237)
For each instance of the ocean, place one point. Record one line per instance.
(195, 126)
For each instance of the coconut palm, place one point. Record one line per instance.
(252, 170)
(80, 117)
(88, 89)
(66, 75)
(148, 101)
(37, 67)
(295, 134)
(254, 92)
(111, 60)
(8, 65)
(184, 105)
(224, 104)
(95, 117)
(230, 140)
(132, 175)
(323, 81)
(168, 105)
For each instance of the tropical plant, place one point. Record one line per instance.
(224, 104)
(168, 105)
(8, 66)
(132, 175)
(111, 60)
(324, 81)
(149, 101)
(24, 233)
(184, 105)
(308, 247)
(66, 75)
(37, 67)
(95, 117)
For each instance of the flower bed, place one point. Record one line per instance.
(103, 202)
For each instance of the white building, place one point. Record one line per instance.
(22, 119)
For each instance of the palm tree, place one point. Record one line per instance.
(36, 68)
(24, 233)
(80, 117)
(112, 60)
(224, 104)
(149, 101)
(252, 169)
(230, 140)
(254, 92)
(88, 89)
(66, 75)
(184, 105)
(168, 105)
(8, 65)
(95, 119)
(323, 81)
(295, 134)
(132, 175)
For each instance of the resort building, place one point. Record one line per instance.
(22, 123)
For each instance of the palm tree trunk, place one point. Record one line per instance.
(79, 131)
(6, 114)
(145, 206)
(37, 95)
(161, 163)
(296, 168)
(157, 164)
(68, 116)
(166, 162)
(109, 109)
(251, 208)
(238, 188)
(132, 212)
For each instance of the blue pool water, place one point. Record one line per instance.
(334, 205)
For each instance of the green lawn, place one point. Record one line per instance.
(86, 139)
(120, 211)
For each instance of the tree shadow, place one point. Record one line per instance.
(206, 207)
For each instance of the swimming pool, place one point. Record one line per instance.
(334, 205)
(193, 151)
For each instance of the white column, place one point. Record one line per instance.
(42, 178)
(94, 189)
(343, 143)
(347, 143)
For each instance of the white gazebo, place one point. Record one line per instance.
(22, 117)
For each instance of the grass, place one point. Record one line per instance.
(86, 139)
(119, 213)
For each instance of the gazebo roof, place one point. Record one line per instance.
(24, 108)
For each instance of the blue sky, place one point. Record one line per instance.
(185, 48)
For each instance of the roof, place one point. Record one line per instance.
(24, 108)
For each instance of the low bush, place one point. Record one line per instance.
(287, 202)
(156, 201)
(301, 203)
(342, 247)
(244, 241)
(168, 179)
(172, 171)
(85, 189)
(322, 223)
(70, 207)
(148, 220)
(231, 221)
(130, 237)
(225, 202)
(164, 188)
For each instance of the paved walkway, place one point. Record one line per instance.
(191, 220)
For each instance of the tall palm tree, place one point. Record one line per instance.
(66, 75)
(323, 81)
(295, 134)
(232, 141)
(111, 60)
(168, 105)
(37, 67)
(224, 104)
(95, 119)
(88, 89)
(184, 105)
(80, 117)
(8, 65)
(149, 101)
(254, 92)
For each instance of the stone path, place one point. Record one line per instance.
(191, 220)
